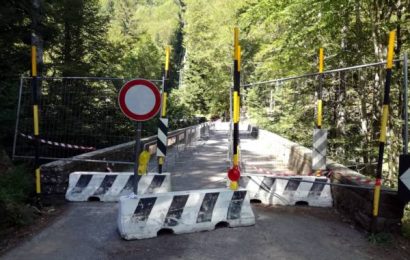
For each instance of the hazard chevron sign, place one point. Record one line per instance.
(162, 139)
(404, 178)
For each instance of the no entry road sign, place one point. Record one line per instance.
(139, 100)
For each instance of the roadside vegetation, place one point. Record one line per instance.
(16, 186)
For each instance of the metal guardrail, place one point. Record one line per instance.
(175, 140)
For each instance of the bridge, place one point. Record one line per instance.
(279, 198)
(87, 230)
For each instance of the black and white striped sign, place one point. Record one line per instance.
(288, 190)
(183, 212)
(319, 149)
(404, 178)
(84, 186)
(162, 137)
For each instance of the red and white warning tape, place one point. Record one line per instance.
(290, 173)
(280, 173)
(69, 146)
(358, 179)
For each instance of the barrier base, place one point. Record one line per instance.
(143, 216)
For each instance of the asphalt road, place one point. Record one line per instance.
(88, 230)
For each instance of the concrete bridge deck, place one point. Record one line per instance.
(88, 230)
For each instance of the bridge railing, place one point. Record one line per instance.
(119, 157)
(352, 101)
(352, 192)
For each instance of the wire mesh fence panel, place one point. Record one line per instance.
(352, 101)
(77, 115)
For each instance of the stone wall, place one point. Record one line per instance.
(356, 203)
(54, 175)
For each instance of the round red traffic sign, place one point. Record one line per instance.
(139, 99)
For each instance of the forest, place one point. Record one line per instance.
(279, 38)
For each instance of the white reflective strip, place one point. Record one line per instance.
(162, 137)
(221, 207)
(93, 185)
(144, 183)
(191, 209)
(118, 185)
(159, 211)
(303, 188)
(164, 121)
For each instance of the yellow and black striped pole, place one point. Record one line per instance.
(319, 135)
(236, 105)
(383, 129)
(319, 93)
(34, 84)
(162, 138)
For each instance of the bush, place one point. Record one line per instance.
(406, 221)
(16, 186)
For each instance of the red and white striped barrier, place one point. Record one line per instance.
(68, 146)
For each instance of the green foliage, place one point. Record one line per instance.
(15, 187)
(282, 38)
(405, 229)
(208, 40)
(14, 60)
(77, 46)
(87, 38)
(381, 238)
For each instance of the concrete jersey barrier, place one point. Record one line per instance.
(288, 190)
(110, 186)
(143, 216)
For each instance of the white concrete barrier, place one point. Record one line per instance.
(110, 186)
(143, 216)
(288, 190)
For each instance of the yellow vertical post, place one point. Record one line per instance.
(321, 60)
(163, 120)
(36, 125)
(319, 101)
(236, 104)
(383, 130)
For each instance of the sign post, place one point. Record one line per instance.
(139, 100)
(162, 137)
(234, 172)
(383, 130)
(404, 162)
(319, 134)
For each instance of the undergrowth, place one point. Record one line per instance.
(406, 222)
(16, 186)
